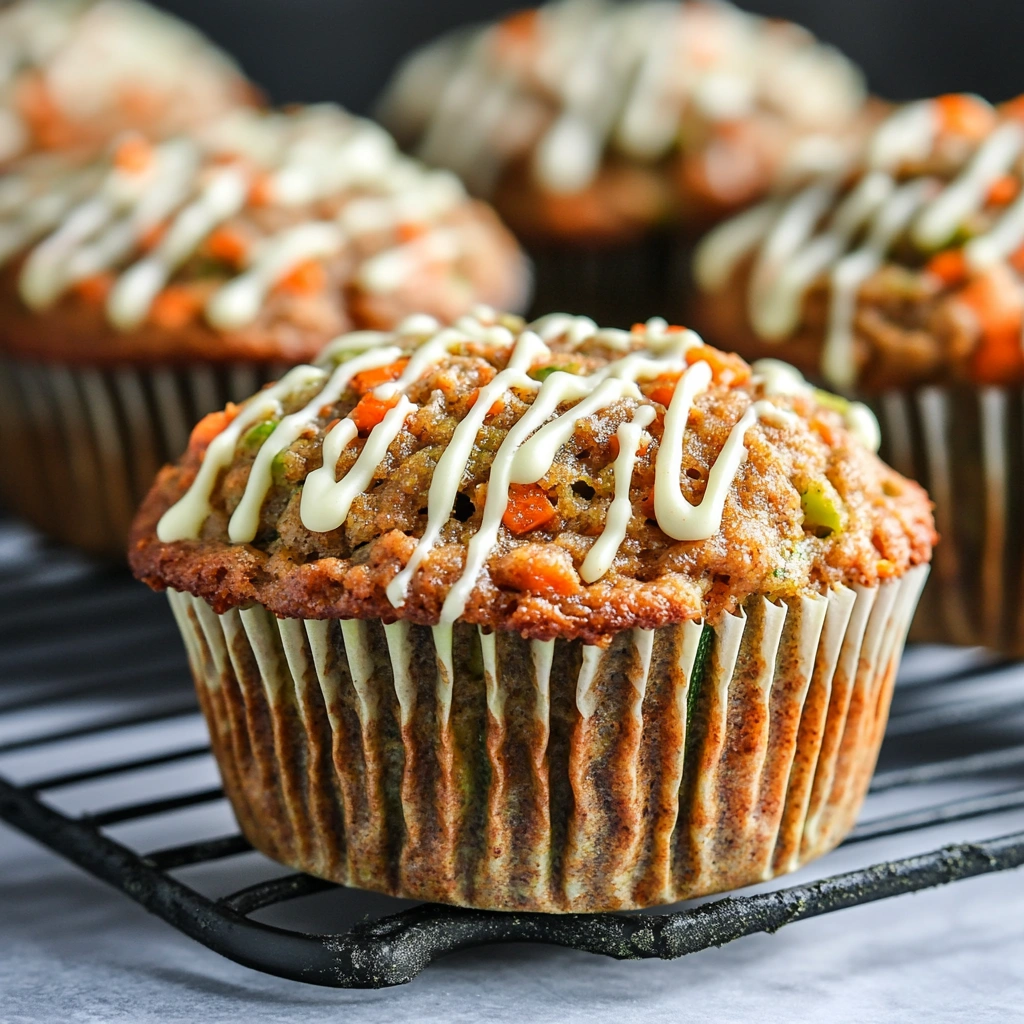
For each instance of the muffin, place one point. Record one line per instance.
(143, 290)
(549, 618)
(78, 72)
(607, 133)
(902, 283)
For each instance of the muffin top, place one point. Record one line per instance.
(74, 73)
(590, 118)
(261, 236)
(905, 270)
(554, 479)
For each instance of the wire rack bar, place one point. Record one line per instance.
(395, 949)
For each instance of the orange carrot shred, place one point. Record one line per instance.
(261, 191)
(410, 230)
(134, 155)
(228, 245)
(965, 115)
(308, 278)
(528, 508)
(211, 425)
(176, 306)
(95, 288)
(370, 411)
(950, 267)
(1003, 190)
(728, 369)
(370, 379)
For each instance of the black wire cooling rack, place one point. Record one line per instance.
(98, 658)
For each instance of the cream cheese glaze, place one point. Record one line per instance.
(620, 77)
(795, 242)
(83, 221)
(528, 450)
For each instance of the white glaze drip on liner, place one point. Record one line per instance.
(525, 455)
(794, 249)
(98, 217)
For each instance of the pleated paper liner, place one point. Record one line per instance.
(616, 285)
(485, 770)
(966, 445)
(83, 444)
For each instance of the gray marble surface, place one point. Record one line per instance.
(73, 950)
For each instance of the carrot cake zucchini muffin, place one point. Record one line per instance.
(140, 291)
(75, 73)
(602, 131)
(540, 618)
(903, 282)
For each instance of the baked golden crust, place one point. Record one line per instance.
(770, 541)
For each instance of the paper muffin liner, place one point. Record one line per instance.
(966, 445)
(616, 285)
(84, 444)
(485, 770)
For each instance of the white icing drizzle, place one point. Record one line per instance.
(967, 193)
(623, 77)
(97, 218)
(602, 553)
(132, 296)
(795, 244)
(185, 519)
(526, 453)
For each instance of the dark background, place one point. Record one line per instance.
(344, 49)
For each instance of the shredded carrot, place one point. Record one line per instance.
(370, 411)
(261, 191)
(1014, 108)
(152, 236)
(211, 425)
(95, 288)
(965, 115)
(409, 230)
(950, 267)
(886, 568)
(308, 278)
(134, 155)
(995, 300)
(824, 431)
(662, 390)
(728, 369)
(496, 407)
(1003, 190)
(370, 379)
(228, 245)
(528, 508)
(516, 30)
(176, 306)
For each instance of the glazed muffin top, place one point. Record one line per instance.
(554, 479)
(906, 270)
(590, 118)
(75, 73)
(261, 236)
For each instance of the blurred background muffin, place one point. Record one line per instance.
(604, 132)
(75, 73)
(571, 619)
(903, 282)
(143, 289)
